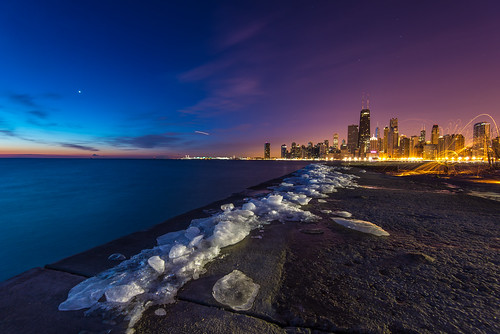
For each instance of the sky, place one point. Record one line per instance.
(220, 78)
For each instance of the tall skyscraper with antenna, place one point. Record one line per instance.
(364, 128)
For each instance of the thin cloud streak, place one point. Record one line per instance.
(202, 133)
(79, 147)
(146, 141)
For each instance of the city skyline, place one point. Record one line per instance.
(393, 144)
(198, 78)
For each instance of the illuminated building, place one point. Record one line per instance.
(283, 151)
(435, 134)
(495, 145)
(422, 136)
(335, 141)
(429, 152)
(458, 145)
(444, 146)
(321, 150)
(386, 140)
(344, 150)
(374, 145)
(404, 147)
(414, 143)
(309, 150)
(295, 151)
(303, 152)
(352, 138)
(393, 139)
(267, 151)
(364, 132)
(481, 140)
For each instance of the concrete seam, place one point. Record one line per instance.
(253, 315)
(66, 271)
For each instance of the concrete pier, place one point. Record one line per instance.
(436, 272)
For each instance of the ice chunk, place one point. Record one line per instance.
(117, 257)
(344, 214)
(326, 211)
(362, 226)
(249, 206)
(298, 198)
(245, 213)
(236, 290)
(227, 207)
(228, 233)
(192, 232)
(178, 250)
(321, 201)
(169, 237)
(160, 312)
(274, 199)
(196, 241)
(123, 293)
(157, 264)
(84, 295)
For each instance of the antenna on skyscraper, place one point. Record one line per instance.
(368, 101)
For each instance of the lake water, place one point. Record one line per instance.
(54, 208)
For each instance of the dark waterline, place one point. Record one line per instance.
(54, 208)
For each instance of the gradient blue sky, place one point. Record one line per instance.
(168, 78)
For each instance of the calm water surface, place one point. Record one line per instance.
(54, 208)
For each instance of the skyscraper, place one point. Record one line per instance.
(283, 151)
(458, 144)
(267, 151)
(352, 138)
(481, 140)
(414, 142)
(373, 145)
(404, 147)
(495, 145)
(335, 142)
(364, 132)
(385, 143)
(393, 138)
(422, 136)
(435, 134)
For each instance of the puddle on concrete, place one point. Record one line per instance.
(378, 188)
(440, 191)
(486, 194)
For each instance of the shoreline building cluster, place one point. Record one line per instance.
(392, 145)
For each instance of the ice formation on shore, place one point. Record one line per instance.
(344, 214)
(361, 226)
(154, 276)
(236, 290)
